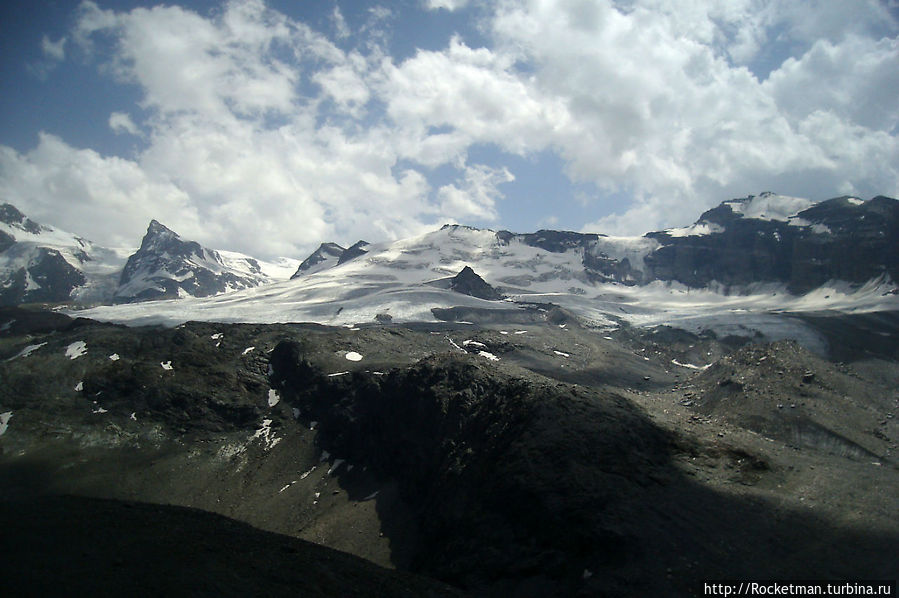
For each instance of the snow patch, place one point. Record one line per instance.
(166, 365)
(562, 353)
(700, 229)
(76, 349)
(79, 387)
(489, 356)
(134, 415)
(266, 434)
(99, 410)
(217, 336)
(337, 463)
(114, 357)
(335, 374)
(4, 421)
(273, 397)
(691, 366)
(26, 351)
(769, 206)
(247, 350)
(473, 343)
(353, 356)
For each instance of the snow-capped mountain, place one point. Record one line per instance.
(40, 263)
(743, 255)
(43, 264)
(327, 255)
(167, 266)
(772, 238)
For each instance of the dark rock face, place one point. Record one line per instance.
(45, 275)
(48, 278)
(12, 216)
(6, 241)
(167, 266)
(469, 283)
(325, 252)
(490, 461)
(556, 241)
(838, 239)
(353, 251)
(523, 486)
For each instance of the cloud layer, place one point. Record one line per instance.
(259, 134)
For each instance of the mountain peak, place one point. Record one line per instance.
(158, 228)
(326, 255)
(469, 283)
(11, 215)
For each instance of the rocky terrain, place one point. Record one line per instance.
(466, 412)
(538, 458)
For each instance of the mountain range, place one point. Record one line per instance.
(466, 412)
(771, 244)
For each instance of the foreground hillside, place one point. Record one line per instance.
(534, 459)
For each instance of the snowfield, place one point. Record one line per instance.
(403, 280)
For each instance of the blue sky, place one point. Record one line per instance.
(268, 127)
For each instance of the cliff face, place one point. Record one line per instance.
(838, 239)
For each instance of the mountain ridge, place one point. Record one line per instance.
(766, 239)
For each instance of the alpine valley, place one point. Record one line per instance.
(465, 412)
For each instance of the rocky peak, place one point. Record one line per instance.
(469, 283)
(167, 266)
(10, 215)
(353, 251)
(318, 259)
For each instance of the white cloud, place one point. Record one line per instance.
(477, 195)
(658, 105)
(474, 96)
(262, 135)
(54, 50)
(446, 4)
(120, 122)
(98, 197)
(341, 29)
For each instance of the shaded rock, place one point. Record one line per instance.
(469, 283)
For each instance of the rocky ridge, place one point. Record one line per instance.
(539, 460)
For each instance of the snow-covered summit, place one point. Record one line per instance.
(769, 206)
(167, 266)
(40, 263)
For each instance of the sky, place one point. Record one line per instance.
(267, 127)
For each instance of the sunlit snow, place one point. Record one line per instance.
(4, 421)
(266, 434)
(273, 397)
(76, 350)
(26, 351)
(166, 365)
(353, 356)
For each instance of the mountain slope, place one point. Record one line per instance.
(167, 266)
(39, 263)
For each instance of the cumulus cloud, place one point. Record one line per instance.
(88, 192)
(657, 104)
(120, 122)
(476, 196)
(266, 136)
